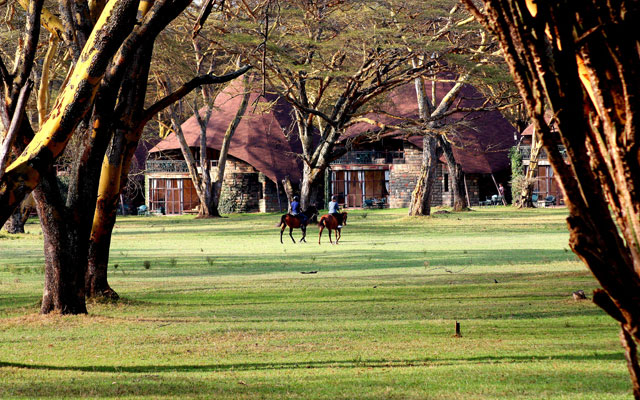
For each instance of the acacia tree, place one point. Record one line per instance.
(208, 188)
(582, 63)
(328, 59)
(468, 53)
(110, 57)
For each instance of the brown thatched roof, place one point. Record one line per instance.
(264, 138)
(481, 139)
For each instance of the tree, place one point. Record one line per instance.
(17, 220)
(581, 62)
(328, 59)
(207, 188)
(110, 60)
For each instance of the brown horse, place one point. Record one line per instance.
(293, 221)
(330, 222)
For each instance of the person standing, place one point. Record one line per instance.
(501, 194)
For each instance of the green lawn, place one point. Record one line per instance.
(220, 309)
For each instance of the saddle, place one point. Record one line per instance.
(300, 217)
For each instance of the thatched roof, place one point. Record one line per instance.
(264, 138)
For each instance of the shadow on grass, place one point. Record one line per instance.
(379, 363)
(338, 260)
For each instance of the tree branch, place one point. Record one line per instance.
(185, 89)
(27, 55)
(14, 126)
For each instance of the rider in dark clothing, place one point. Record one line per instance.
(295, 210)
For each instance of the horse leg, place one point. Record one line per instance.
(282, 231)
(291, 234)
(338, 235)
(320, 234)
(330, 240)
(304, 233)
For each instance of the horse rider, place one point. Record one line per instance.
(295, 210)
(334, 209)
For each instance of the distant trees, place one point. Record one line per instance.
(581, 61)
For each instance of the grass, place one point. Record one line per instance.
(220, 309)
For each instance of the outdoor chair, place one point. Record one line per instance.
(534, 200)
(142, 210)
(368, 203)
(550, 201)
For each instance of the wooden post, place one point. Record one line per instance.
(504, 201)
(458, 334)
(466, 190)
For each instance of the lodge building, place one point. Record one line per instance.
(264, 148)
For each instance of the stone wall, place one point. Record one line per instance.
(440, 197)
(403, 177)
(269, 201)
(241, 188)
(473, 188)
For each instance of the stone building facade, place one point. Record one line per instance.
(169, 189)
(401, 177)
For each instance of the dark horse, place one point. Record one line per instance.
(330, 222)
(293, 221)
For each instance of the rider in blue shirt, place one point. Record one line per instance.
(295, 209)
(334, 209)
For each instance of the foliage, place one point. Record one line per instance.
(518, 180)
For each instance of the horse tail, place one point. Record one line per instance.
(321, 221)
(281, 221)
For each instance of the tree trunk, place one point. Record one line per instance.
(288, 190)
(96, 282)
(65, 262)
(309, 179)
(457, 177)
(216, 185)
(527, 189)
(113, 172)
(15, 223)
(421, 196)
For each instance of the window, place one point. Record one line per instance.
(354, 187)
(172, 196)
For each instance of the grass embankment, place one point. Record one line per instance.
(220, 309)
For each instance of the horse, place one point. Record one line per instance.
(330, 222)
(293, 221)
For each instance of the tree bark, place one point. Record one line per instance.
(15, 223)
(72, 105)
(288, 190)
(310, 177)
(457, 177)
(525, 200)
(216, 185)
(421, 196)
(64, 268)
